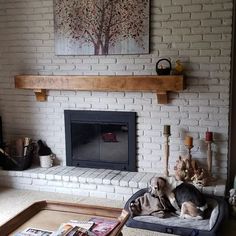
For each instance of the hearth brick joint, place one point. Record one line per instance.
(149, 83)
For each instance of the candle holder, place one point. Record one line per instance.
(166, 153)
(209, 158)
(189, 147)
(209, 140)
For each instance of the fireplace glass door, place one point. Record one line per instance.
(100, 139)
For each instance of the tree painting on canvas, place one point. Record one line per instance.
(101, 27)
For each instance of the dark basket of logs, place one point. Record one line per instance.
(18, 162)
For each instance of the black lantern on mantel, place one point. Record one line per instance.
(163, 67)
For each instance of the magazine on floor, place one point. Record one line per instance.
(102, 226)
(34, 232)
(96, 226)
(74, 228)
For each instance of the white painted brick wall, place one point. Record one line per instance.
(198, 32)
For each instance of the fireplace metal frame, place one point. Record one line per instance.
(231, 180)
(1, 137)
(108, 117)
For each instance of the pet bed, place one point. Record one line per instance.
(216, 212)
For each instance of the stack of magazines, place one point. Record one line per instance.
(96, 226)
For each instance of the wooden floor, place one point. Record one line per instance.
(229, 228)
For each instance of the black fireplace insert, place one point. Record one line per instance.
(101, 139)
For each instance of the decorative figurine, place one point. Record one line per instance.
(200, 177)
(179, 68)
(181, 169)
(232, 201)
(187, 169)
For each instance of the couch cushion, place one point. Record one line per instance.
(206, 224)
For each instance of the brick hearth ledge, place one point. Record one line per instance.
(104, 183)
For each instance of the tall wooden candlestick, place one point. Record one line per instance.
(166, 154)
(209, 157)
(189, 147)
(188, 141)
(209, 139)
(166, 134)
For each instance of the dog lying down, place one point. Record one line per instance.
(185, 200)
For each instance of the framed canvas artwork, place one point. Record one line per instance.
(101, 27)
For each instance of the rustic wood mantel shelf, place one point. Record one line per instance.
(161, 85)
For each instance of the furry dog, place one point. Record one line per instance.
(157, 186)
(162, 199)
(188, 201)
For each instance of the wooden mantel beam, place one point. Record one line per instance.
(149, 83)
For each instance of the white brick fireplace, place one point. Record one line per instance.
(198, 32)
(104, 183)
